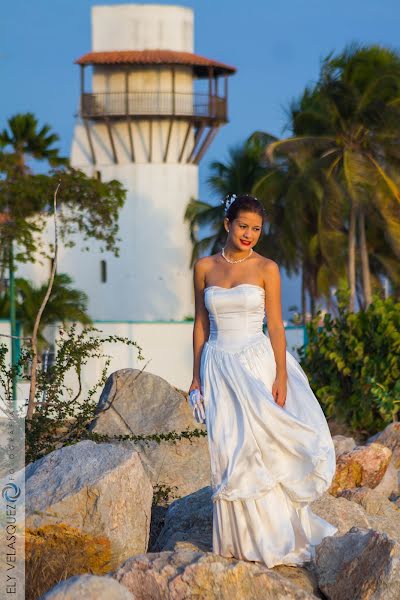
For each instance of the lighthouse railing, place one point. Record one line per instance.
(153, 104)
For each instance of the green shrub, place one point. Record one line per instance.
(353, 364)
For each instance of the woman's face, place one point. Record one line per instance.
(245, 230)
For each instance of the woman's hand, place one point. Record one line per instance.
(279, 389)
(195, 385)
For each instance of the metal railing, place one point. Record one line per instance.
(153, 104)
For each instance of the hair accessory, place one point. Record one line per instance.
(228, 200)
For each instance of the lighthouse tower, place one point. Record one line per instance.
(149, 109)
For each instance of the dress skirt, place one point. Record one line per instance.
(267, 462)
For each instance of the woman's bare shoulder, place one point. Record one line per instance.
(268, 271)
(203, 266)
(267, 264)
(205, 262)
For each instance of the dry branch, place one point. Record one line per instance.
(32, 390)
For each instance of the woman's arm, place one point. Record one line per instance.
(276, 330)
(201, 326)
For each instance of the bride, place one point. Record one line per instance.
(270, 447)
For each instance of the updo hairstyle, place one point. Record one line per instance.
(233, 204)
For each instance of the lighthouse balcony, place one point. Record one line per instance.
(154, 105)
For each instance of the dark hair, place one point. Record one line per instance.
(243, 202)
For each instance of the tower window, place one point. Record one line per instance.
(103, 271)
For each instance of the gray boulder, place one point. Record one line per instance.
(351, 510)
(340, 512)
(389, 437)
(101, 489)
(188, 574)
(188, 519)
(88, 587)
(141, 403)
(343, 444)
(183, 465)
(373, 502)
(360, 565)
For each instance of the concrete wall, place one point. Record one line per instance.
(107, 78)
(141, 27)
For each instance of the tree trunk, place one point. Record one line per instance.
(351, 259)
(313, 293)
(365, 270)
(32, 388)
(303, 296)
(360, 299)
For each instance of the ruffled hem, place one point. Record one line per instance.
(270, 529)
(318, 473)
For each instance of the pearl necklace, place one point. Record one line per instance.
(229, 260)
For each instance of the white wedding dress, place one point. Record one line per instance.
(267, 462)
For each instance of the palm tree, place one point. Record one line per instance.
(348, 126)
(245, 165)
(292, 194)
(65, 304)
(28, 141)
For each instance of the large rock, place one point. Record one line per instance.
(188, 526)
(101, 489)
(340, 512)
(360, 565)
(88, 587)
(188, 519)
(373, 502)
(346, 512)
(383, 515)
(390, 483)
(141, 403)
(365, 465)
(343, 444)
(183, 465)
(390, 437)
(188, 574)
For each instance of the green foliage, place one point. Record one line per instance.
(85, 204)
(163, 494)
(65, 304)
(353, 364)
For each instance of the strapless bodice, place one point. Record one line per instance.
(236, 315)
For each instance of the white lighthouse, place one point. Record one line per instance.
(149, 108)
(147, 119)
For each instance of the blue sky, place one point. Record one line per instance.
(276, 47)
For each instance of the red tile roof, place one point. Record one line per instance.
(156, 57)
